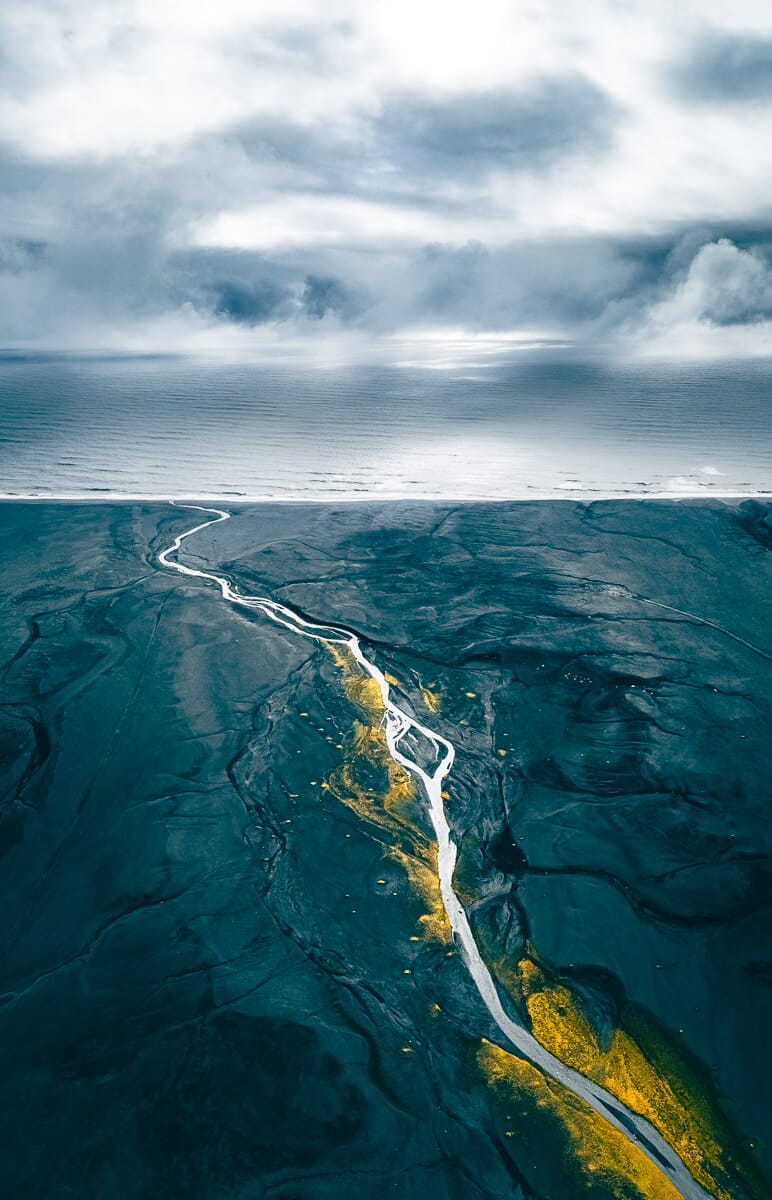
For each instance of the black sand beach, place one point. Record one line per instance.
(225, 971)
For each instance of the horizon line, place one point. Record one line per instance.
(349, 498)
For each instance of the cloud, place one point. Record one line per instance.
(718, 304)
(249, 304)
(723, 285)
(259, 167)
(727, 68)
(18, 255)
(494, 130)
(325, 295)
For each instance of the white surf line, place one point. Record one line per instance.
(398, 725)
(582, 495)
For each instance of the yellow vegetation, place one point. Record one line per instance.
(653, 1084)
(603, 1154)
(432, 698)
(660, 1093)
(381, 792)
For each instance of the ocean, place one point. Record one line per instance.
(525, 428)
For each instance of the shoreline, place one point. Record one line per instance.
(193, 498)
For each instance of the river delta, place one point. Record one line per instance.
(228, 970)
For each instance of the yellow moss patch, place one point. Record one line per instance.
(424, 881)
(370, 783)
(603, 1154)
(360, 688)
(380, 791)
(432, 698)
(560, 1024)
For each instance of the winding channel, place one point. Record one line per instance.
(403, 730)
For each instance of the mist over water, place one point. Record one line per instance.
(523, 428)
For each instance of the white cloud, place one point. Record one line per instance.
(720, 307)
(132, 78)
(307, 220)
(723, 286)
(261, 125)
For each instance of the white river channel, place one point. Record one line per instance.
(399, 727)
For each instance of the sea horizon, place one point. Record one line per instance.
(332, 498)
(542, 426)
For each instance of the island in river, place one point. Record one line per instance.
(228, 970)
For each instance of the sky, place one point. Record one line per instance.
(250, 174)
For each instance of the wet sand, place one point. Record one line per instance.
(222, 974)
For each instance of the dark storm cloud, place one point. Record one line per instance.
(577, 282)
(570, 283)
(247, 288)
(324, 295)
(21, 254)
(417, 140)
(250, 303)
(499, 129)
(726, 68)
(250, 289)
(235, 287)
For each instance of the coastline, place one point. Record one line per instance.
(348, 498)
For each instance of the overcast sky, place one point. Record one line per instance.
(241, 172)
